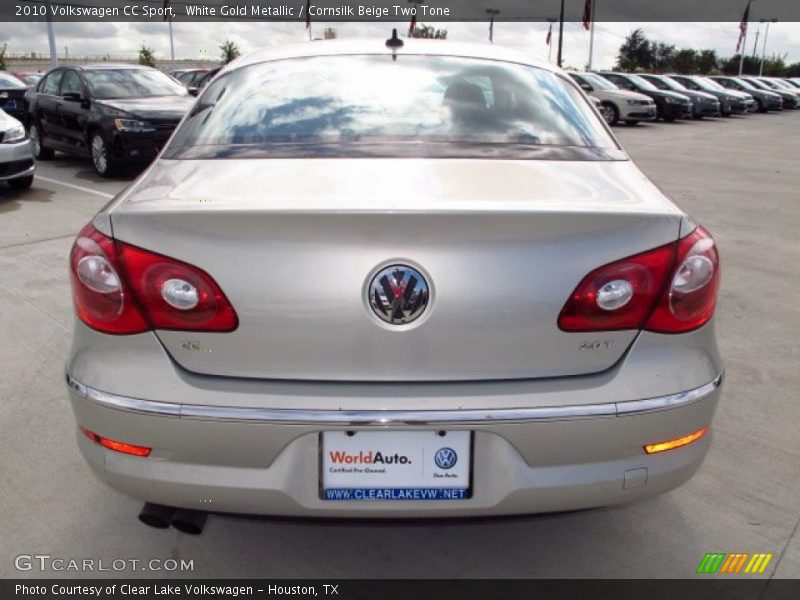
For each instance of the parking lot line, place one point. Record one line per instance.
(80, 188)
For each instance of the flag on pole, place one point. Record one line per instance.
(308, 14)
(549, 34)
(743, 26)
(587, 14)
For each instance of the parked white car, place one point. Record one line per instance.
(617, 104)
(16, 153)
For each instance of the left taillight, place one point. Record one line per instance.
(102, 300)
(121, 289)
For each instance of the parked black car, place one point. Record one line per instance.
(764, 100)
(731, 101)
(114, 114)
(189, 77)
(669, 105)
(703, 104)
(12, 95)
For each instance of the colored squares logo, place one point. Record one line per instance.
(734, 563)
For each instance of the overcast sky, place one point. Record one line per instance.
(201, 40)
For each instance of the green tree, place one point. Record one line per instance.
(146, 56)
(707, 61)
(635, 53)
(685, 61)
(3, 57)
(229, 51)
(662, 57)
(428, 32)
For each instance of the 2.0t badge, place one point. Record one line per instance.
(398, 294)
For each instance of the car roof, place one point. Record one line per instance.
(378, 46)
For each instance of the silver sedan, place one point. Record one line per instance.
(16, 153)
(439, 290)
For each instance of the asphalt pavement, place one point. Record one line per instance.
(737, 176)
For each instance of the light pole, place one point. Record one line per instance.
(764, 49)
(560, 34)
(745, 19)
(758, 32)
(492, 12)
(591, 36)
(51, 38)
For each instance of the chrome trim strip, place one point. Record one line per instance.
(390, 417)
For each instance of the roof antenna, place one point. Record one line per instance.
(394, 43)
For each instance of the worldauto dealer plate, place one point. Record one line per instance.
(395, 465)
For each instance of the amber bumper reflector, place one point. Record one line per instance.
(676, 443)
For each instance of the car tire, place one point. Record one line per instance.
(21, 183)
(610, 113)
(40, 151)
(758, 107)
(103, 164)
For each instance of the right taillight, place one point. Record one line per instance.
(121, 289)
(691, 295)
(670, 289)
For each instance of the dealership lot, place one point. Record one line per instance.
(737, 176)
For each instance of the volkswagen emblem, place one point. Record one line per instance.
(398, 294)
(445, 458)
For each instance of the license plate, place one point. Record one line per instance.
(9, 104)
(396, 465)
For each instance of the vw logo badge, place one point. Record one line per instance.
(398, 294)
(445, 458)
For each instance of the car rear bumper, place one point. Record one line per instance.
(522, 464)
(16, 160)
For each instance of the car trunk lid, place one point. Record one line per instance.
(294, 244)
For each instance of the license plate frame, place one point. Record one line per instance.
(420, 487)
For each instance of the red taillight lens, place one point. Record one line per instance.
(121, 289)
(174, 294)
(637, 281)
(98, 289)
(670, 289)
(691, 297)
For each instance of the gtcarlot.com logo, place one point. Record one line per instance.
(734, 563)
(47, 562)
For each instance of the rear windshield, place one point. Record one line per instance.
(376, 106)
(131, 83)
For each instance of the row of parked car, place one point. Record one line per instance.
(117, 114)
(638, 97)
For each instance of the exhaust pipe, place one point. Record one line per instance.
(188, 521)
(156, 515)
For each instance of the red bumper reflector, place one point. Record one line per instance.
(115, 445)
(676, 443)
